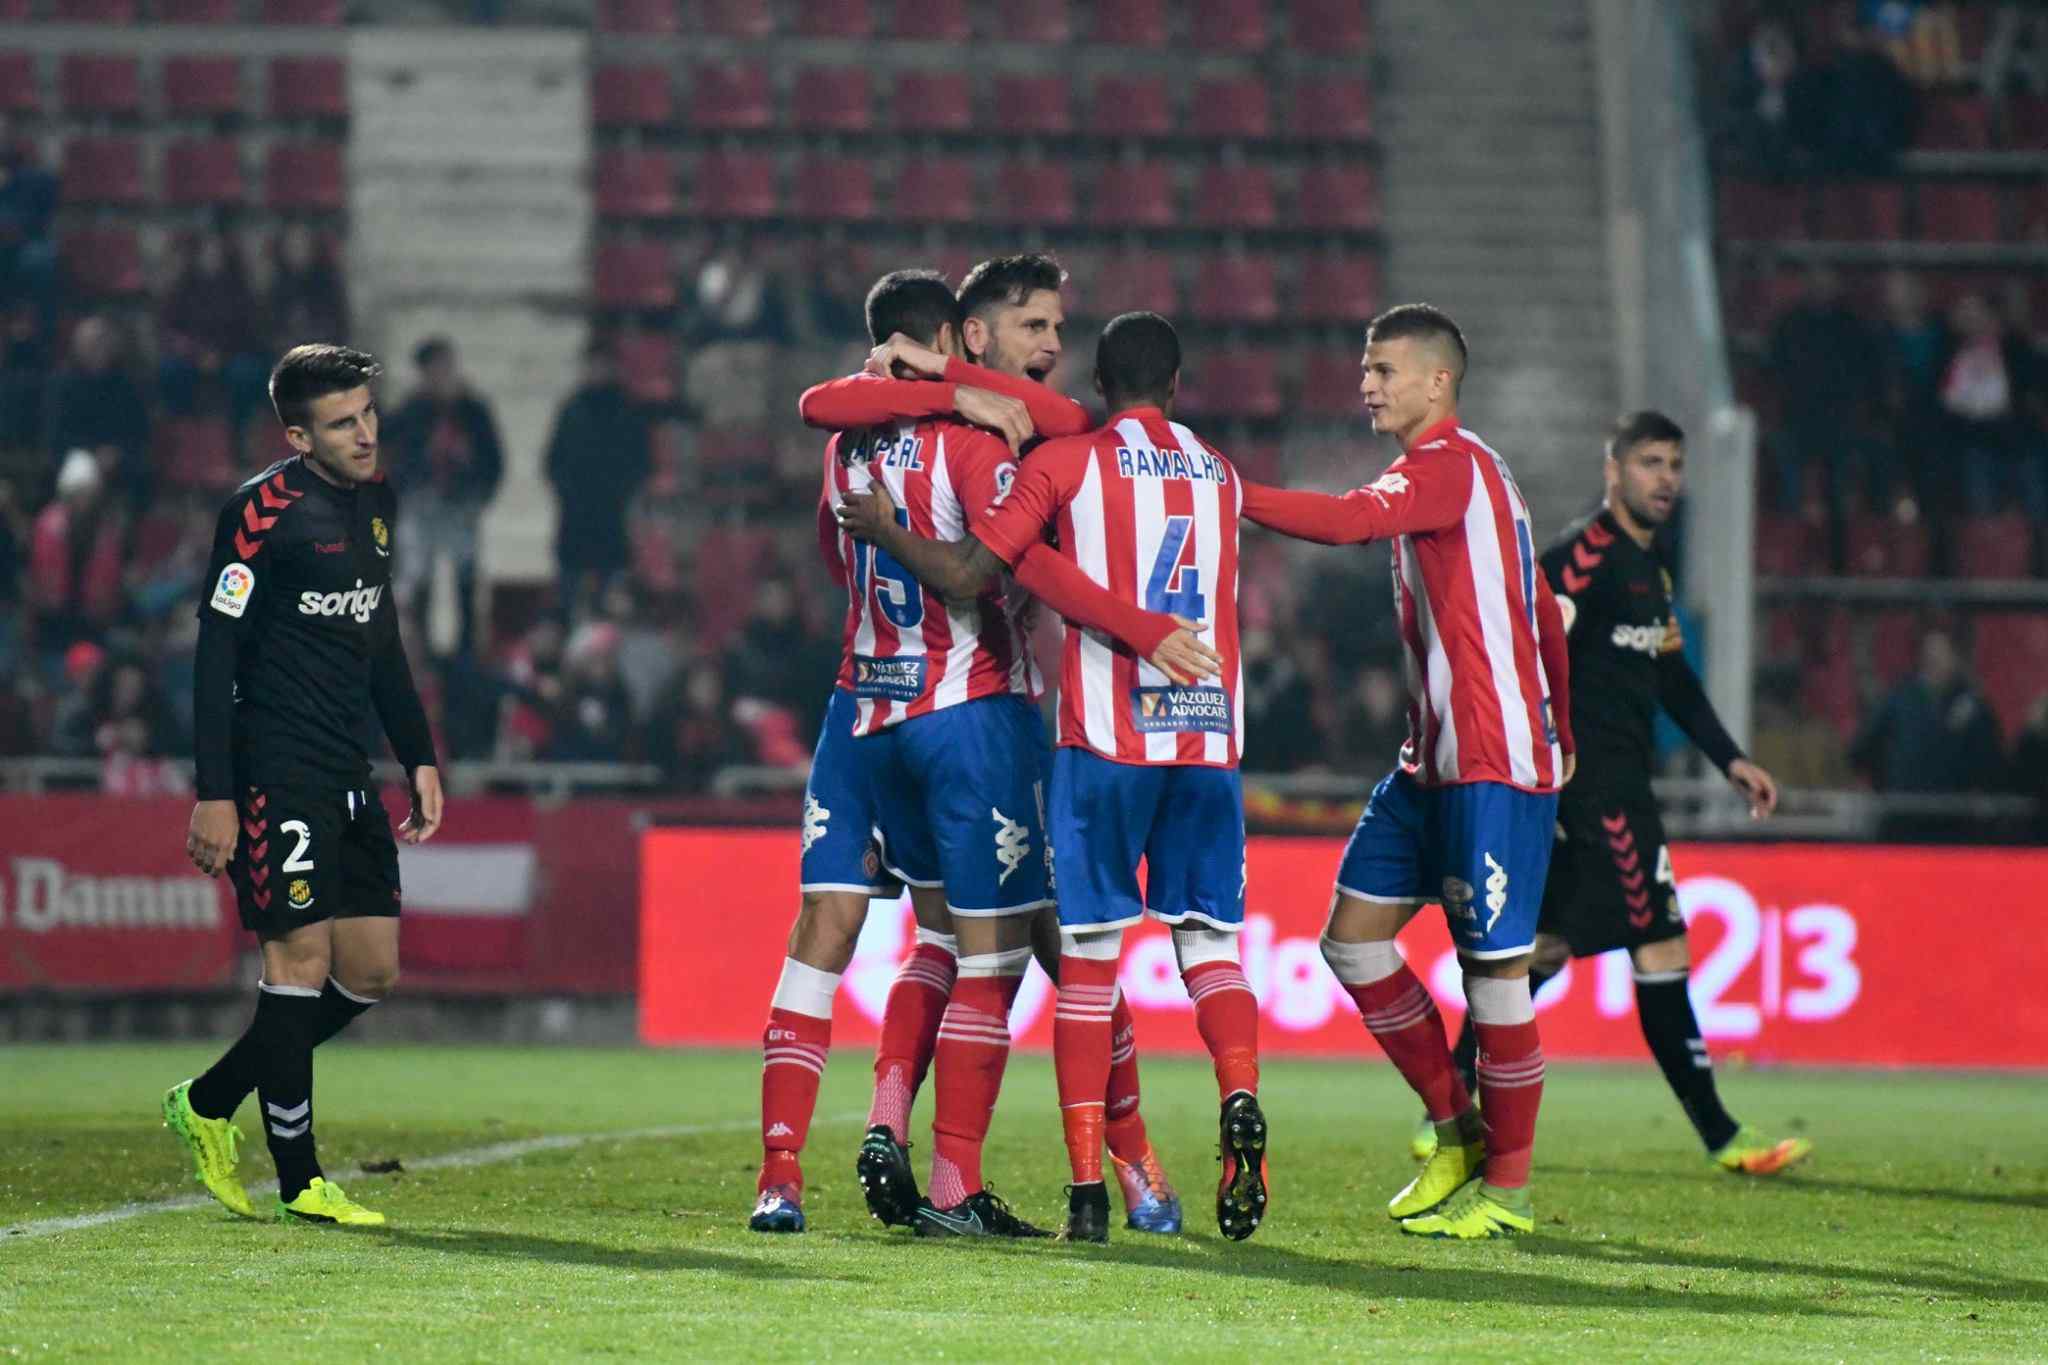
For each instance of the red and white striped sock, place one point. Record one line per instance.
(1081, 1049)
(1123, 1125)
(1397, 1008)
(1510, 1075)
(1227, 1016)
(973, 1049)
(910, 1029)
(793, 1050)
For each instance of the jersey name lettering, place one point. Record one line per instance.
(1141, 463)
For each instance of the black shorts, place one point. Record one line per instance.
(308, 855)
(1610, 882)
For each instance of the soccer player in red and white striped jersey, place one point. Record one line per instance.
(1466, 818)
(1147, 764)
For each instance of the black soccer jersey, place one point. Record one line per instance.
(1627, 655)
(298, 639)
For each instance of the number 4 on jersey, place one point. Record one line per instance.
(1175, 585)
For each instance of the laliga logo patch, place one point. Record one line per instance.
(231, 592)
(380, 537)
(299, 893)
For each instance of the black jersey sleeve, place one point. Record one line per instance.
(1685, 701)
(227, 615)
(392, 690)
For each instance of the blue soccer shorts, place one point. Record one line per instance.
(959, 799)
(1480, 849)
(840, 850)
(1185, 821)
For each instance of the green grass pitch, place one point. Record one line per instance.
(1917, 1232)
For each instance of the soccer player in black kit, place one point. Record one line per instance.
(298, 646)
(1611, 884)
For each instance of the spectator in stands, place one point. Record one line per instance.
(1280, 685)
(17, 531)
(94, 405)
(1771, 98)
(694, 733)
(28, 209)
(597, 459)
(75, 563)
(2029, 770)
(129, 727)
(1865, 107)
(1826, 365)
(308, 300)
(594, 718)
(1986, 378)
(533, 676)
(211, 346)
(447, 461)
(1911, 341)
(1934, 733)
(778, 658)
(74, 719)
(649, 649)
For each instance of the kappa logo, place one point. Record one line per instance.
(779, 1129)
(1013, 844)
(816, 817)
(1496, 891)
(1387, 487)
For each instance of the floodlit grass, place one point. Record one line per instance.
(1917, 1231)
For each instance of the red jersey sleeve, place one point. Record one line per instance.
(1551, 644)
(1427, 495)
(1052, 413)
(866, 400)
(1045, 484)
(982, 468)
(1059, 582)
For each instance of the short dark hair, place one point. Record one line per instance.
(305, 373)
(431, 350)
(1009, 279)
(914, 302)
(1137, 358)
(1633, 429)
(1420, 322)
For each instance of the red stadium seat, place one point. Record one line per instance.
(1882, 547)
(20, 92)
(832, 99)
(1235, 383)
(1231, 108)
(1894, 644)
(15, 11)
(630, 96)
(1134, 194)
(206, 171)
(1998, 546)
(1861, 211)
(835, 19)
(199, 11)
(1045, 21)
(1753, 210)
(933, 102)
(100, 85)
(1787, 547)
(1236, 288)
(103, 262)
(202, 87)
(1133, 281)
(835, 187)
(305, 175)
(635, 184)
(103, 170)
(1338, 289)
(1338, 197)
(1330, 27)
(738, 185)
(1130, 106)
(94, 11)
(652, 542)
(737, 18)
(1954, 123)
(1959, 213)
(1828, 689)
(1338, 110)
(304, 13)
(944, 21)
(1032, 104)
(641, 16)
(937, 190)
(634, 275)
(309, 87)
(196, 452)
(647, 366)
(2012, 662)
(1329, 384)
(731, 97)
(2026, 121)
(1237, 196)
(1132, 23)
(1229, 25)
(1036, 192)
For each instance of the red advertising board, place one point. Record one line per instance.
(95, 894)
(1803, 953)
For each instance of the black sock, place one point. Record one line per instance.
(1674, 1038)
(219, 1092)
(286, 1018)
(1465, 1054)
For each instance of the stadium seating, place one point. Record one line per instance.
(644, 16)
(1133, 194)
(103, 261)
(1134, 281)
(1237, 196)
(837, 187)
(1881, 547)
(635, 184)
(932, 102)
(103, 170)
(1894, 644)
(1040, 193)
(1239, 382)
(1332, 110)
(1131, 23)
(933, 21)
(2012, 662)
(1861, 210)
(94, 84)
(736, 18)
(835, 18)
(1032, 104)
(1328, 26)
(736, 98)
(1338, 289)
(1329, 383)
(1959, 213)
(204, 171)
(737, 185)
(20, 92)
(937, 190)
(1236, 288)
(309, 88)
(94, 11)
(305, 175)
(1997, 546)
(1339, 198)
(1231, 109)
(1954, 122)
(197, 452)
(647, 366)
(1754, 210)
(832, 99)
(1229, 25)
(198, 11)
(1045, 21)
(1787, 547)
(202, 87)
(1130, 106)
(634, 275)
(622, 96)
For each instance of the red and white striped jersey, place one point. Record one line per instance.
(1467, 595)
(1149, 512)
(907, 651)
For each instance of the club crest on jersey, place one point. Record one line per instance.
(1171, 709)
(299, 893)
(888, 679)
(231, 592)
(380, 536)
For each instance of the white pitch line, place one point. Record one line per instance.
(475, 1156)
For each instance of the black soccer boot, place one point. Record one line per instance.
(980, 1214)
(1241, 1194)
(883, 1169)
(1088, 1213)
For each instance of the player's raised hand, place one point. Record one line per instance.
(908, 354)
(1758, 787)
(425, 818)
(1183, 657)
(210, 839)
(863, 515)
(1007, 417)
